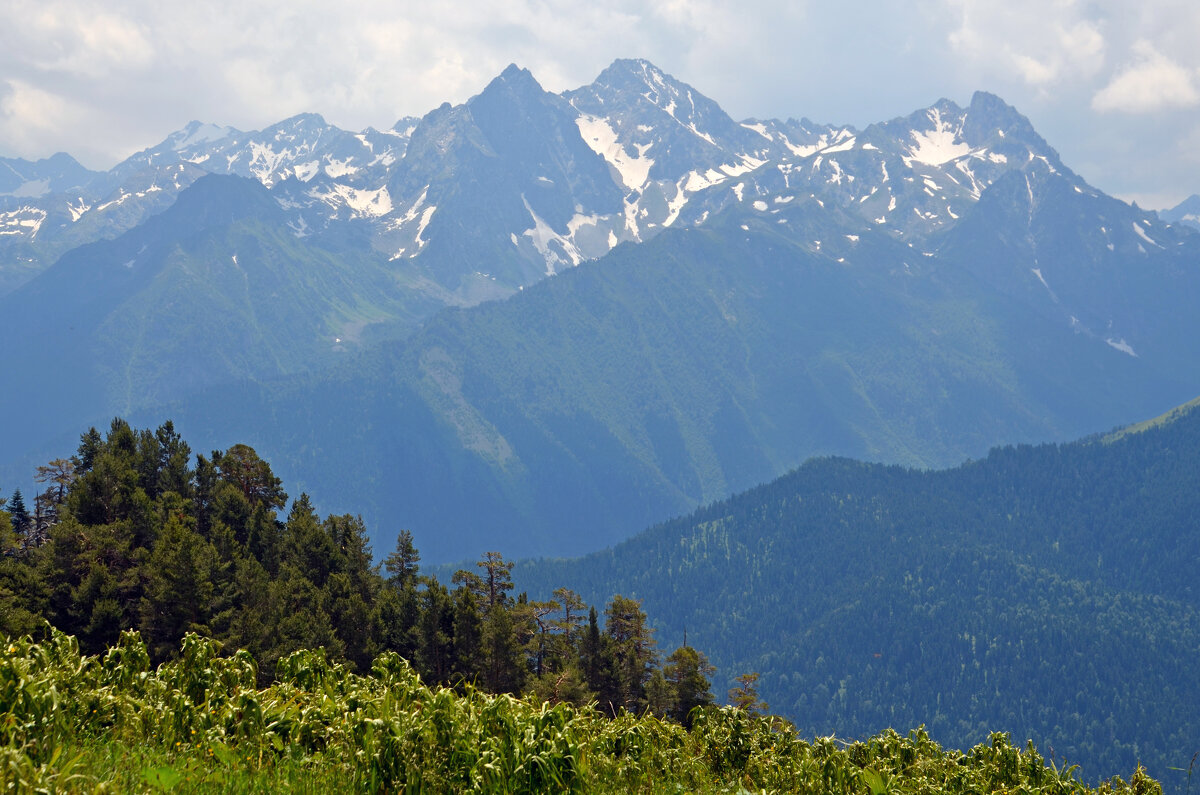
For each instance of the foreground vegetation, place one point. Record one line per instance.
(71, 722)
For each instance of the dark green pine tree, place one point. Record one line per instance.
(19, 514)
(497, 578)
(687, 672)
(307, 544)
(89, 447)
(435, 653)
(253, 626)
(596, 665)
(396, 613)
(502, 654)
(402, 564)
(468, 635)
(180, 590)
(633, 651)
(241, 467)
(395, 617)
(302, 617)
(350, 616)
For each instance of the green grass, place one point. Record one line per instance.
(1145, 425)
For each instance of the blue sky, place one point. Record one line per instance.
(1113, 85)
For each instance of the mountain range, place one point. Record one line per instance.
(373, 310)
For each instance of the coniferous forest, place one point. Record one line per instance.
(129, 535)
(1045, 590)
(176, 618)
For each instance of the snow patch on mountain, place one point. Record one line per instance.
(746, 165)
(306, 171)
(695, 181)
(1142, 234)
(198, 133)
(124, 196)
(418, 214)
(426, 217)
(845, 145)
(598, 134)
(759, 128)
(676, 203)
(368, 203)
(937, 146)
(23, 221)
(554, 248)
(1122, 346)
(340, 168)
(77, 210)
(824, 142)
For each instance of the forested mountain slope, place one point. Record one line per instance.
(677, 371)
(1046, 590)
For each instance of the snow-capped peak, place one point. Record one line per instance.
(197, 132)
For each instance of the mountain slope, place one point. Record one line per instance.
(674, 372)
(1048, 591)
(213, 290)
(508, 176)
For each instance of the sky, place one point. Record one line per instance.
(1113, 85)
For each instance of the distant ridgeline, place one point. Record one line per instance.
(128, 533)
(1051, 591)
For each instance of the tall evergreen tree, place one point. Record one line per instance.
(241, 467)
(687, 671)
(436, 634)
(307, 543)
(180, 590)
(497, 578)
(19, 514)
(402, 564)
(89, 448)
(468, 635)
(633, 650)
(503, 659)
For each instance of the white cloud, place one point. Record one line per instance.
(67, 37)
(30, 116)
(1154, 82)
(1033, 41)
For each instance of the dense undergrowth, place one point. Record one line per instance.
(201, 723)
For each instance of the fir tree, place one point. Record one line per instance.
(19, 514)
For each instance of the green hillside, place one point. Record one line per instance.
(1048, 591)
